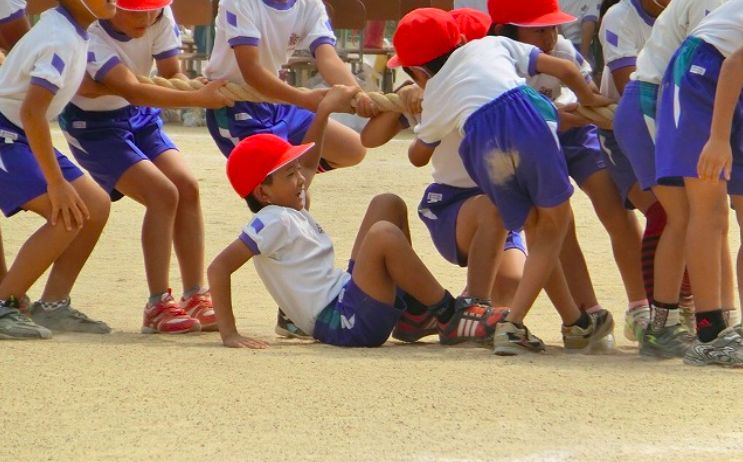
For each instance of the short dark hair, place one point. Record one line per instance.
(254, 204)
(504, 30)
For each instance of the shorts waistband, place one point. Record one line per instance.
(124, 113)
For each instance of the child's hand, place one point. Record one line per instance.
(311, 98)
(411, 97)
(365, 107)
(238, 341)
(569, 118)
(210, 96)
(596, 100)
(338, 99)
(716, 158)
(67, 203)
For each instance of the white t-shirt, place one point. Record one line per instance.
(296, 262)
(475, 74)
(624, 30)
(551, 86)
(276, 28)
(11, 9)
(670, 29)
(55, 61)
(584, 11)
(723, 28)
(481, 5)
(109, 48)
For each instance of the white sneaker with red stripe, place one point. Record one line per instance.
(166, 317)
(199, 306)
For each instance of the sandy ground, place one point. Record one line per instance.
(128, 396)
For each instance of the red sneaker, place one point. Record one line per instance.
(471, 321)
(165, 317)
(199, 306)
(413, 327)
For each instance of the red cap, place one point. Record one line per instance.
(258, 156)
(531, 13)
(474, 24)
(142, 5)
(423, 35)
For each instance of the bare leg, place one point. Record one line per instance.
(669, 255)
(578, 279)
(3, 266)
(147, 185)
(343, 146)
(188, 231)
(508, 277)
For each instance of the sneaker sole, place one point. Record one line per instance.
(514, 350)
(458, 341)
(25, 337)
(151, 330)
(412, 338)
(280, 331)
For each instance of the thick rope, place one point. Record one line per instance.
(389, 102)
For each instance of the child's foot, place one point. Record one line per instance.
(667, 342)
(511, 340)
(577, 339)
(199, 306)
(285, 327)
(166, 317)
(725, 350)
(636, 321)
(15, 325)
(471, 321)
(413, 327)
(60, 316)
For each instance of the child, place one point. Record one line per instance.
(470, 88)
(462, 221)
(295, 260)
(254, 40)
(13, 22)
(634, 128)
(39, 77)
(119, 139)
(699, 140)
(537, 26)
(582, 31)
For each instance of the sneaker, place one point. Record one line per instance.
(15, 325)
(285, 327)
(577, 339)
(65, 318)
(511, 340)
(686, 313)
(668, 342)
(725, 350)
(199, 306)
(413, 327)
(732, 317)
(471, 321)
(166, 317)
(636, 321)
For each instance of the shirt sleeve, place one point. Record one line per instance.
(317, 29)
(524, 56)
(591, 12)
(101, 59)
(167, 41)
(240, 23)
(52, 65)
(265, 235)
(566, 50)
(618, 41)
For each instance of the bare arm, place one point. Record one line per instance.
(621, 77)
(419, 153)
(220, 283)
(381, 129)
(588, 31)
(335, 72)
(170, 68)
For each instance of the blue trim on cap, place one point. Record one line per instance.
(649, 20)
(250, 243)
(239, 41)
(167, 54)
(44, 83)
(622, 63)
(80, 31)
(107, 66)
(109, 28)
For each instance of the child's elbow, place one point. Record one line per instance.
(368, 140)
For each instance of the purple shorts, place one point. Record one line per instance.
(108, 143)
(231, 124)
(685, 114)
(582, 152)
(355, 319)
(439, 210)
(634, 129)
(620, 170)
(21, 179)
(510, 148)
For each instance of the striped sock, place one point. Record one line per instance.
(656, 221)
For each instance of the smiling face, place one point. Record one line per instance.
(134, 23)
(543, 38)
(286, 187)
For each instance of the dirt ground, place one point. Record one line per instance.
(128, 396)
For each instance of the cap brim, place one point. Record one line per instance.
(394, 62)
(152, 8)
(557, 18)
(291, 154)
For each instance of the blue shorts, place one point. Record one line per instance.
(582, 152)
(510, 148)
(21, 179)
(228, 126)
(685, 114)
(355, 319)
(439, 210)
(634, 129)
(108, 143)
(620, 169)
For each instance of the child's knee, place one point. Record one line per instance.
(487, 214)
(188, 189)
(389, 202)
(163, 196)
(384, 233)
(99, 206)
